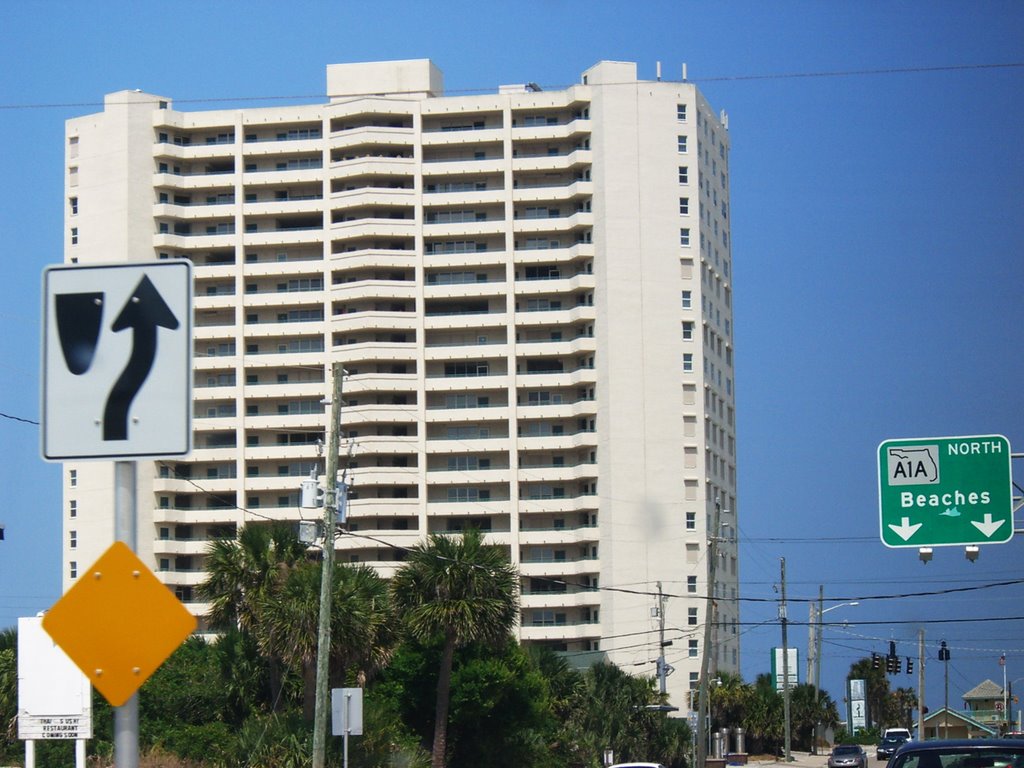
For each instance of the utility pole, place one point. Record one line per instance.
(703, 708)
(817, 664)
(662, 666)
(920, 684)
(785, 663)
(812, 638)
(323, 647)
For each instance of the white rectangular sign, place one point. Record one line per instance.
(347, 711)
(54, 697)
(117, 360)
(857, 696)
(778, 668)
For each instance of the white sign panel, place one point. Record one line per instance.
(54, 697)
(858, 704)
(117, 360)
(778, 668)
(346, 711)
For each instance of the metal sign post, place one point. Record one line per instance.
(126, 717)
(346, 715)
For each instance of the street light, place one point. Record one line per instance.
(815, 640)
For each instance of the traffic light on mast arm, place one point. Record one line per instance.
(876, 661)
(890, 664)
(910, 666)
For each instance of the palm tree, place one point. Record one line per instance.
(360, 623)
(728, 700)
(241, 573)
(809, 708)
(764, 716)
(902, 703)
(459, 590)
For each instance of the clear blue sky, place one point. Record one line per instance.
(877, 240)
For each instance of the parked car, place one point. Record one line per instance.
(888, 746)
(848, 756)
(959, 753)
(637, 765)
(901, 733)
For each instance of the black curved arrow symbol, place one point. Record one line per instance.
(144, 311)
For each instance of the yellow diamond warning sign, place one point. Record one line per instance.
(118, 623)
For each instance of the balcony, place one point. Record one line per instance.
(578, 631)
(374, 289)
(553, 193)
(372, 166)
(552, 162)
(379, 320)
(468, 135)
(372, 135)
(375, 258)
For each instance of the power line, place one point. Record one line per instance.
(708, 79)
(858, 72)
(18, 418)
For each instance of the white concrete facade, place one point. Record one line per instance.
(531, 292)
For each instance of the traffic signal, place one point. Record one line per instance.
(897, 665)
(890, 664)
(876, 661)
(910, 666)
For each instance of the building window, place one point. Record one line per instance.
(72, 539)
(688, 362)
(687, 331)
(681, 143)
(684, 174)
(691, 617)
(73, 477)
(73, 569)
(691, 584)
(687, 299)
(73, 202)
(681, 113)
(74, 235)
(72, 508)
(692, 648)
(684, 236)
(684, 206)
(691, 521)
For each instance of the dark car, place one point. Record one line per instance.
(847, 756)
(889, 746)
(960, 753)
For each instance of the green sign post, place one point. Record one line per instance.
(945, 491)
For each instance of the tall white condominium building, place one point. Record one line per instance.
(531, 294)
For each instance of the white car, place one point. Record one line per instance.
(637, 765)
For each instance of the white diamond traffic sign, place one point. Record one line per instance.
(945, 491)
(117, 360)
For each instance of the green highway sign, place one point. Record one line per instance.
(945, 491)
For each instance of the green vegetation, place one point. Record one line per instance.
(433, 650)
(445, 682)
